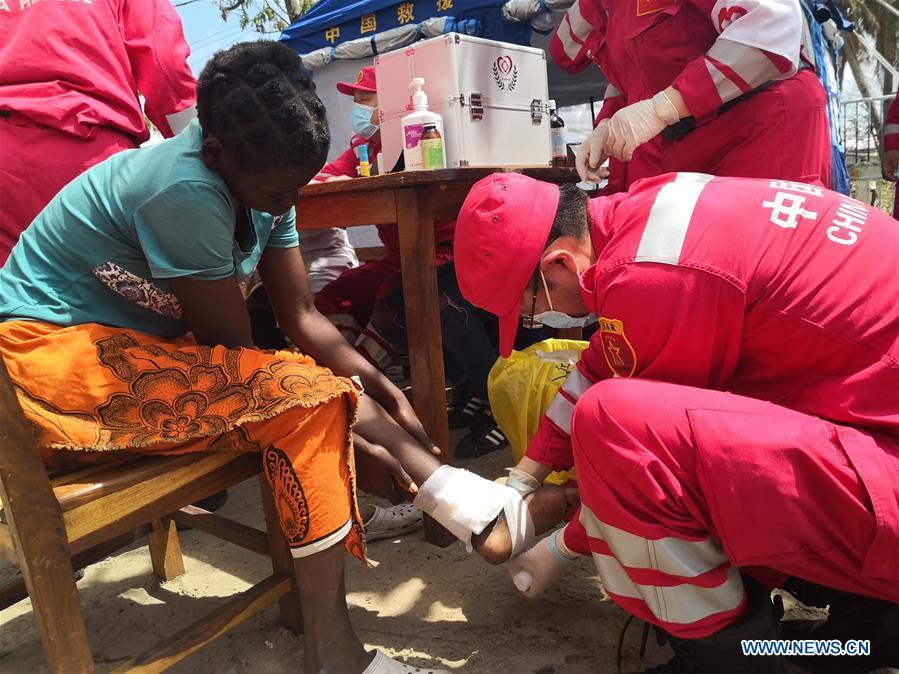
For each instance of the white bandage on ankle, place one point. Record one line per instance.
(465, 503)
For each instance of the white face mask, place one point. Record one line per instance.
(557, 319)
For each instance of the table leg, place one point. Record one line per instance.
(415, 222)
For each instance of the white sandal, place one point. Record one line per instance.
(389, 522)
(382, 664)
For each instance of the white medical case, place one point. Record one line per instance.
(492, 96)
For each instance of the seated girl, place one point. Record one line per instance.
(123, 327)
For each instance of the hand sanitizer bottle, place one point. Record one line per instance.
(414, 125)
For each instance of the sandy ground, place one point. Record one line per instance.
(431, 606)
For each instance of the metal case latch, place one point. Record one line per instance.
(536, 112)
(476, 107)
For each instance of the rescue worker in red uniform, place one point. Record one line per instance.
(349, 301)
(69, 93)
(718, 86)
(735, 418)
(890, 163)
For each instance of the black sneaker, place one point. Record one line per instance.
(485, 437)
(469, 414)
(851, 616)
(721, 653)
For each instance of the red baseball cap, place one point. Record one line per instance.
(500, 234)
(365, 81)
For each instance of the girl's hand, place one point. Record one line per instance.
(398, 407)
(378, 472)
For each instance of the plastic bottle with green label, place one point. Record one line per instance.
(433, 155)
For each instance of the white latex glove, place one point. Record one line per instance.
(591, 154)
(522, 482)
(537, 569)
(637, 123)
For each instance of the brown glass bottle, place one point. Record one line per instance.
(557, 132)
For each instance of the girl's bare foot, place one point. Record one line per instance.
(547, 506)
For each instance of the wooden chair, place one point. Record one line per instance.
(54, 525)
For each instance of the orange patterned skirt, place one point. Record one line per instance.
(94, 392)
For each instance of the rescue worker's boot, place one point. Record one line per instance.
(851, 617)
(722, 653)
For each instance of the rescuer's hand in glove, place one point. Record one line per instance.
(538, 568)
(591, 155)
(638, 123)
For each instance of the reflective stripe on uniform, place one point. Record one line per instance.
(561, 409)
(576, 384)
(750, 65)
(580, 27)
(725, 87)
(573, 32)
(611, 92)
(674, 556)
(683, 603)
(569, 45)
(669, 218)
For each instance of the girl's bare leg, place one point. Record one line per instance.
(330, 644)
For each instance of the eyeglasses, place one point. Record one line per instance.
(528, 321)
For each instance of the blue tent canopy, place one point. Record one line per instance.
(332, 22)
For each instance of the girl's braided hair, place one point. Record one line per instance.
(257, 100)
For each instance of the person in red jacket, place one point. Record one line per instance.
(721, 87)
(890, 163)
(69, 86)
(735, 418)
(350, 301)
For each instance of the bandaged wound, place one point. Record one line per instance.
(465, 504)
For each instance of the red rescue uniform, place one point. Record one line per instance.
(739, 405)
(69, 92)
(740, 54)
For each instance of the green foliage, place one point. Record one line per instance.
(266, 16)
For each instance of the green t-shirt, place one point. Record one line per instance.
(104, 249)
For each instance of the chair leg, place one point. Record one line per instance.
(57, 612)
(38, 534)
(165, 549)
(282, 561)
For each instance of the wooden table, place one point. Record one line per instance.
(413, 200)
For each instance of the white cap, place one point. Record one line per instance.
(419, 97)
